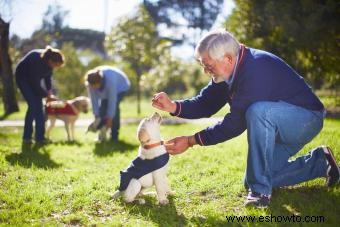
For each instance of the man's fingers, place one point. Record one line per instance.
(169, 146)
(157, 105)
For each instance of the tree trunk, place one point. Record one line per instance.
(6, 73)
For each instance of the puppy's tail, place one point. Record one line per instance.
(116, 195)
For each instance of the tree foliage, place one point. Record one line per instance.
(174, 77)
(69, 80)
(54, 18)
(305, 33)
(134, 40)
(183, 18)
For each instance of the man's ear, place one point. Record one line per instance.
(228, 58)
(143, 136)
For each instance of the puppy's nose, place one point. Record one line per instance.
(156, 116)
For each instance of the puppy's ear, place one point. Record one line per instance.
(77, 104)
(143, 136)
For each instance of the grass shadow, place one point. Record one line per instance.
(107, 148)
(162, 215)
(32, 156)
(307, 201)
(68, 143)
(4, 116)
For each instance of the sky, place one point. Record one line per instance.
(25, 16)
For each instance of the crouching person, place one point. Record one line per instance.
(269, 99)
(106, 87)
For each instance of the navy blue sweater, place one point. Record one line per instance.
(31, 70)
(260, 76)
(140, 167)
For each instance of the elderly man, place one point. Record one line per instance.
(266, 97)
(107, 86)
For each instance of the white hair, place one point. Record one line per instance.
(216, 44)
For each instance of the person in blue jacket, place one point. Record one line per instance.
(34, 69)
(269, 99)
(107, 86)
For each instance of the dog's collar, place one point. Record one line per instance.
(149, 146)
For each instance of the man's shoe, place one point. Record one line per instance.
(333, 171)
(257, 200)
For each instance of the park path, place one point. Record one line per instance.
(83, 122)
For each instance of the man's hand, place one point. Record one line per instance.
(108, 123)
(50, 97)
(162, 101)
(179, 144)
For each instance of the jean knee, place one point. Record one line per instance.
(256, 110)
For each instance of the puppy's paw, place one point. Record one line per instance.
(171, 193)
(141, 201)
(164, 201)
(115, 195)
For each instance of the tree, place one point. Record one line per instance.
(134, 40)
(54, 21)
(69, 80)
(174, 76)
(187, 18)
(305, 33)
(6, 72)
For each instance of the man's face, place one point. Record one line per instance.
(53, 64)
(218, 70)
(95, 85)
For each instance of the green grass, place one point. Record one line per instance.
(70, 184)
(128, 110)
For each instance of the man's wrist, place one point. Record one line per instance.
(173, 107)
(191, 141)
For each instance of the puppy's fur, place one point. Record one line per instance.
(148, 133)
(78, 104)
(103, 130)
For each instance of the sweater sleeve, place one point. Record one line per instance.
(29, 68)
(35, 83)
(48, 82)
(250, 89)
(112, 99)
(210, 100)
(94, 101)
(231, 126)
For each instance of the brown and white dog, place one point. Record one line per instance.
(149, 168)
(68, 111)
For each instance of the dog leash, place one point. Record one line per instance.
(149, 146)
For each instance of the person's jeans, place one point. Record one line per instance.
(35, 112)
(116, 119)
(277, 131)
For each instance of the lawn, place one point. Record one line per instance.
(129, 107)
(71, 184)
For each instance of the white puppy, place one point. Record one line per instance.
(150, 167)
(67, 111)
(103, 130)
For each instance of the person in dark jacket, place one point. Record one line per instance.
(34, 70)
(269, 99)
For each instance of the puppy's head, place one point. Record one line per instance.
(149, 129)
(81, 103)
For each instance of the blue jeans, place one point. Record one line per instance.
(35, 112)
(277, 131)
(116, 119)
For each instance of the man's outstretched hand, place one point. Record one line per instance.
(162, 101)
(179, 144)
